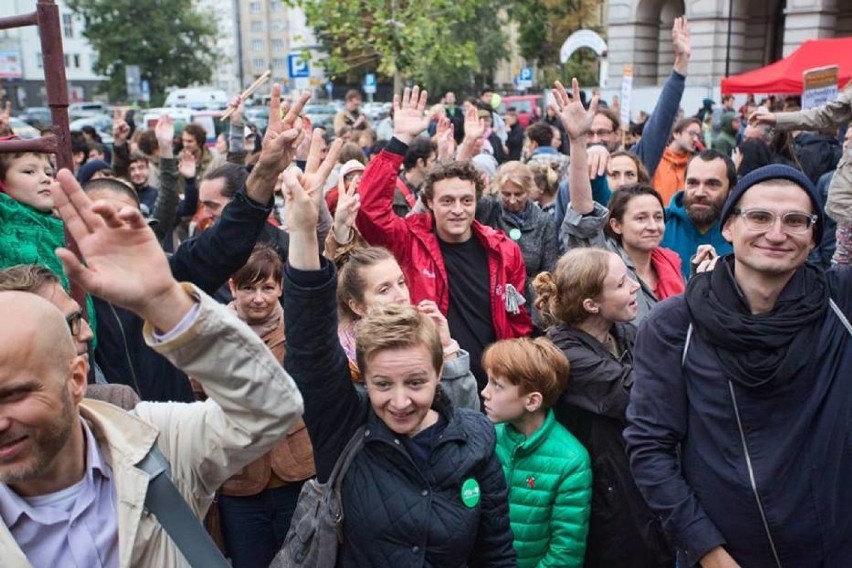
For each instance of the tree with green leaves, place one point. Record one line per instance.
(171, 41)
(544, 25)
(440, 44)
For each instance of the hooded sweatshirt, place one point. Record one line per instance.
(726, 141)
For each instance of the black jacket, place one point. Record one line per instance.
(687, 453)
(817, 153)
(207, 261)
(396, 514)
(622, 530)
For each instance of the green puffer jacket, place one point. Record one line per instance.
(550, 487)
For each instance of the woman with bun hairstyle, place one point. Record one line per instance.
(588, 302)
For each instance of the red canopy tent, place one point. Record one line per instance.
(784, 77)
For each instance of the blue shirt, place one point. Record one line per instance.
(74, 527)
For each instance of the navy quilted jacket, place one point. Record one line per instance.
(396, 514)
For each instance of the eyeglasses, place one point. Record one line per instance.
(600, 133)
(792, 222)
(75, 322)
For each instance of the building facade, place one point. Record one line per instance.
(728, 37)
(268, 32)
(22, 76)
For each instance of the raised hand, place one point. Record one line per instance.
(120, 128)
(430, 309)
(302, 204)
(5, 115)
(576, 119)
(348, 205)
(165, 133)
(124, 263)
(237, 114)
(681, 41)
(409, 114)
(187, 166)
(283, 133)
(445, 139)
(474, 127)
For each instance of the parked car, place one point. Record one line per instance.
(208, 119)
(528, 107)
(100, 122)
(23, 129)
(321, 114)
(39, 117)
(198, 98)
(259, 116)
(90, 108)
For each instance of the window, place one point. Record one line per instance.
(275, 5)
(67, 61)
(76, 61)
(259, 63)
(39, 60)
(257, 26)
(278, 44)
(68, 25)
(257, 45)
(254, 7)
(279, 63)
(277, 26)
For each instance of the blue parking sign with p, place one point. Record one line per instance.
(297, 66)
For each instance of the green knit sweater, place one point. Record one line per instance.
(550, 486)
(30, 236)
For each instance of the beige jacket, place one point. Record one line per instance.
(830, 115)
(253, 403)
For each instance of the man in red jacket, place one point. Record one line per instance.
(474, 273)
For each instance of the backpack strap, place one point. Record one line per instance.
(174, 515)
(406, 192)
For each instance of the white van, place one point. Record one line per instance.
(198, 98)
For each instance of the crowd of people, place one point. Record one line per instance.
(566, 344)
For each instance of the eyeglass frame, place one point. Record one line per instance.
(813, 218)
(75, 322)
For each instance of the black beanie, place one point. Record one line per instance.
(770, 172)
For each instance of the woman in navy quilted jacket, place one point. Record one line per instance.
(426, 488)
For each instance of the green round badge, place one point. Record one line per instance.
(515, 234)
(470, 492)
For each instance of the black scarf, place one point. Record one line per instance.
(758, 349)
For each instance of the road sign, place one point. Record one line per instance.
(525, 78)
(370, 83)
(297, 67)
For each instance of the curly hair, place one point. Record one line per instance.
(463, 170)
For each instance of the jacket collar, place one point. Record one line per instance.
(128, 437)
(522, 445)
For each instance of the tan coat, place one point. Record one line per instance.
(253, 403)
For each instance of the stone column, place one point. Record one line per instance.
(808, 19)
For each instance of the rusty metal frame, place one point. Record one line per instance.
(46, 18)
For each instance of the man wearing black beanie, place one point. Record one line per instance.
(740, 418)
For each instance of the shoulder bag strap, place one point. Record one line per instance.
(840, 315)
(173, 513)
(355, 443)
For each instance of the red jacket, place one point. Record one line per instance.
(415, 246)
